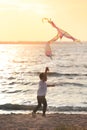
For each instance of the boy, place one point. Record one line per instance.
(41, 93)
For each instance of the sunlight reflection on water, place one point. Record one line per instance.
(20, 66)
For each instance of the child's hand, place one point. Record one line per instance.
(47, 69)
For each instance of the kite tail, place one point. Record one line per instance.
(48, 51)
(78, 41)
(54, 39)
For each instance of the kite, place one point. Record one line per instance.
(60, 34)
(48, 51)
(53, 39)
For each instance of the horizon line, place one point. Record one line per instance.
(35, 42)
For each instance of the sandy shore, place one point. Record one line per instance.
(50, 122)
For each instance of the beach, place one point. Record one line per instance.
(54, 121)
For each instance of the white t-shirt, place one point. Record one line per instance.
(42, 89)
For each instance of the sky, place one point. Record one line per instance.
(21, 20)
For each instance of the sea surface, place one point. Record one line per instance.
(20, 65)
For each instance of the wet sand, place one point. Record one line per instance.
(50, 122)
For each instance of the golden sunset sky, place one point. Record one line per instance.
(21, 20)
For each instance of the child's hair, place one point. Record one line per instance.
(41, 75)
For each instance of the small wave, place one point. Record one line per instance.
(4, 91)
(50, 108)
(25, 91)
(14, 61)
(21, 83)
(65, 84)
(62, 74)
(68, 109)
(51, 74)
(84, 102)
(71, 84)
(12, 83)
(16, 91)
(65, 74)
(85, 66)
(11, 78)
(16, 107)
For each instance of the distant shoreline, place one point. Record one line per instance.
(21, 42)
(35, 42)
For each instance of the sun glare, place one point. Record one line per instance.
(37, 8)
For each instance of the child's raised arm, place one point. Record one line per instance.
(47, 69)
(45, 73)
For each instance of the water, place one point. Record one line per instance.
(20, 66)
